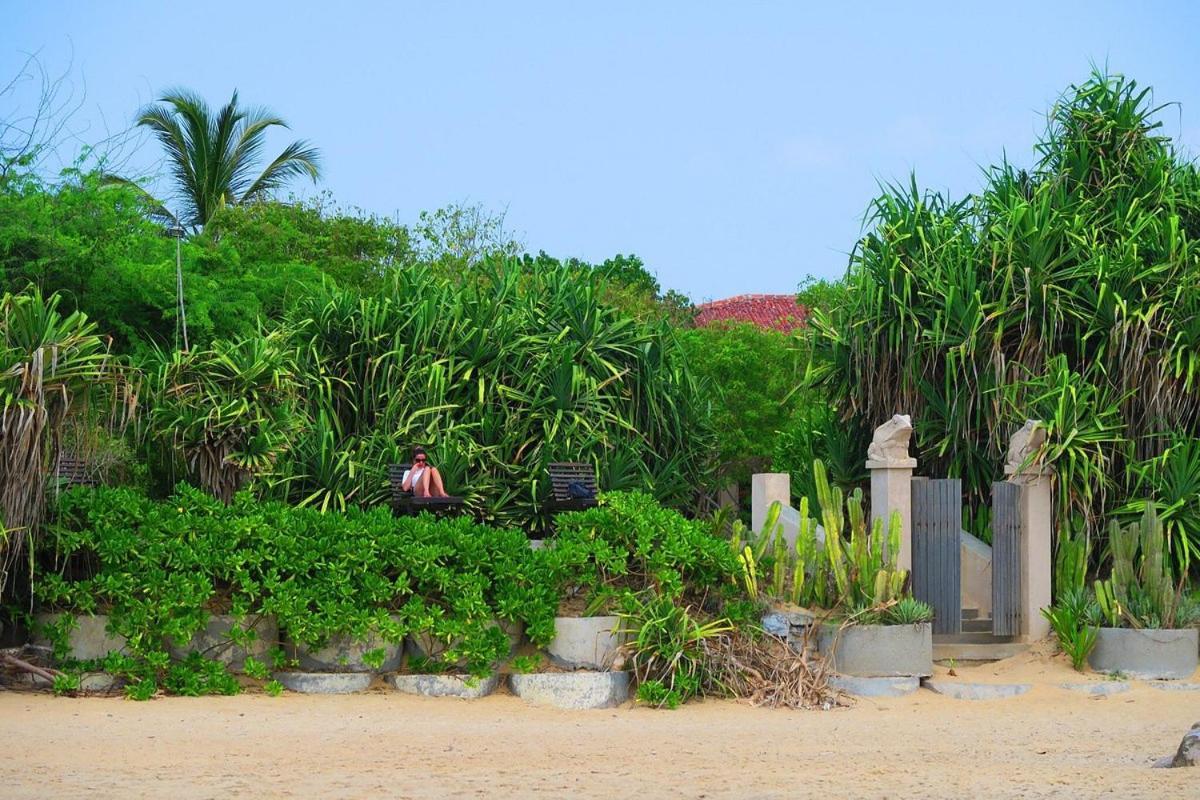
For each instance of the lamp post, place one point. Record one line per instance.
(176, 232)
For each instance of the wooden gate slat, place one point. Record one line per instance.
(937, 554)
(1006, 561)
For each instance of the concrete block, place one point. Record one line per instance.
(324, 682)
(464, 686)
(1175, 686)
(89, 638)
(1094, 689)
(977, 691)
(423, 644)
(100, 682)
(584, 642)
(1147, 654)
(215, 641)
(879, 651)
(572, 690)
(344, 653)
(874, 687)
(777, 625)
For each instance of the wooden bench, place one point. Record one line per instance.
(71, 471)
(404, 503)
(562, 475)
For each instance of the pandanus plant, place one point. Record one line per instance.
(228, 409)
(1068, 292)
(49, 361)
(497, 377)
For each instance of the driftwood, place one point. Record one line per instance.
(767, 672)
(25, 666)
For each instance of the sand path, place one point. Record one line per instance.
(1048, 743)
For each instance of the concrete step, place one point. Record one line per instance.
(972, 637)
(977, 625)
(976, 652)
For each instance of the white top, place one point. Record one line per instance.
(416, 476)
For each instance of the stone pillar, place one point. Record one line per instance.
(729, 496)
(1037, 527)
(891, 480)
(766, 488)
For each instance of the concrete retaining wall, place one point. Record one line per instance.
(572, 690)
(343, 653)
(880, 651)
(215, 641)
(89, 638)
(1149, 654)
(584, 642)
(463, 686)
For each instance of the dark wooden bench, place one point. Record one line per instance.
(404, 503)
(562, 475)
(71, 471)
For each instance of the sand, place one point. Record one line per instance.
(1048, 743)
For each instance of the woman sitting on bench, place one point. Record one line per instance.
(423, 479)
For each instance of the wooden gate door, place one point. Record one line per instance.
(937, 554)
(1006, 559)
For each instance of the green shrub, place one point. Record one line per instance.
(631, 542)
(158, 569)
(665, 649)
(1073, 619)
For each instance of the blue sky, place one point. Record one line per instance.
(733, 146)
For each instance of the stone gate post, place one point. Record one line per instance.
(891, 480)
(1036, 512)
(765, 489)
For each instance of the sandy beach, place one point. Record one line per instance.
(1051, 742)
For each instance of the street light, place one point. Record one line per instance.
(176, 232)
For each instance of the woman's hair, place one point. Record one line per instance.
(418, 451)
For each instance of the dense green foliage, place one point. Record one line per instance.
(631, 543)
(49, 361)
(753, 374)
(498, 376)
(1067, 294)
(96, 247)
(159, 568)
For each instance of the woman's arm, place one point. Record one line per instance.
(406, 481)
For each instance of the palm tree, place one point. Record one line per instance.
(214, 157)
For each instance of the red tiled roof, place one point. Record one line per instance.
(778, 311)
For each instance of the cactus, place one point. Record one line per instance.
(749, 572)
(1070, 564)
(1141, 589)
(780, 565)
(806, 556)
(865, 573)
(830, 501)
(856, 567)
(1110, 607)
